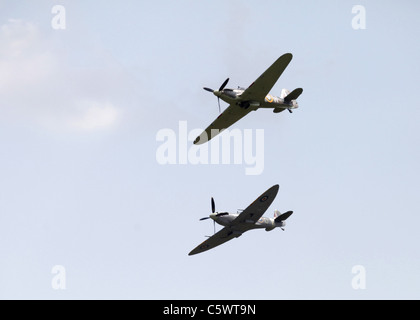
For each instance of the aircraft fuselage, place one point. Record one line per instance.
(234, 96)
(262, 223)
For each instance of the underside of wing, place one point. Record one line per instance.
(217, 239)
(262, 86)
(256, 209)
(232, 114)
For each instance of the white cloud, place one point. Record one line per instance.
(39, 86)
(23, 60)
(95, 116)
(16, 37)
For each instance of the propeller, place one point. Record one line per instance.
(224, 84)
(220, 89)
(213, 209)
(214, 214)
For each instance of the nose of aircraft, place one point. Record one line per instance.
(217, 93)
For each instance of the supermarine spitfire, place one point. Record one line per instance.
(242, 101)
(250, 218)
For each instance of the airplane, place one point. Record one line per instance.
(242, 101)
(250, 218)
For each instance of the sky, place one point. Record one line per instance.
(91, 209)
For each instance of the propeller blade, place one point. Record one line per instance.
(213, 206)
(214, 227)
(224, 84)
(290, 111)
(208, 89)
(218, 101)
(205, 218)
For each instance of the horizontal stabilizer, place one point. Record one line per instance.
(293, 95)
(283, 216)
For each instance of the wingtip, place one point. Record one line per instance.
(200, 140)
(192, 253)
(196, 141)
(275, 188)
(285, 58)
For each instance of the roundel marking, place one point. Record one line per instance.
(269, 98)
(263, 198)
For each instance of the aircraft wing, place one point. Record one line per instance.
(217, 239)
(256, 209)
(262, 86)
(250, 215)
(228, 117)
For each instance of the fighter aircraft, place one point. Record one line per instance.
(250, 218)
(243, 101)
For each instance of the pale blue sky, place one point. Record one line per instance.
(80, 185)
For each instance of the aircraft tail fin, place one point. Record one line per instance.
(293, 95)
(284, 93)
(281, 217)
